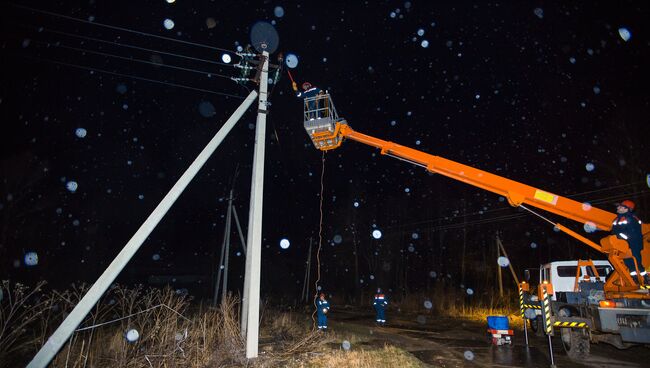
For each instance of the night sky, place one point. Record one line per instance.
(555, 96)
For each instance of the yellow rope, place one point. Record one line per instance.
(320, 235)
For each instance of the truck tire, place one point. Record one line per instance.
(575, 342)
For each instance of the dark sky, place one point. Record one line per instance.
(544, 93)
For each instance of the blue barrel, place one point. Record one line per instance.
(498, 323)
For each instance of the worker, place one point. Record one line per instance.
(322, 307)
(628, 227)
(380, 304)
(309, 91)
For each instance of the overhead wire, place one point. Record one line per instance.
(519, 215)
(141, 61)
(89, 51)
(597, 201)
(125, 45)
(131, 76)
(124, 29)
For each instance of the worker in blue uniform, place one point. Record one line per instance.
(380, 304)
(322, 308)
(309, 91)
(628, 227)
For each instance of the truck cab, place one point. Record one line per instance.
(562, 275)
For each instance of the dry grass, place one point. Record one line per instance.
(454, 302)
(388, 356)
(20, 313)
(175, 333)
(172, 332)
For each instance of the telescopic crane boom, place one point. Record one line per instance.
(328, 131)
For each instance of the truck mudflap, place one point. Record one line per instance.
(632, 324)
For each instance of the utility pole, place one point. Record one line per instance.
(224, 291)
(220, 267)
(462, 264)
(79, 312)
(305, 287)
(499, 276)
(503, 250)
(251, 298)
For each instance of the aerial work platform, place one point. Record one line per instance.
(320, 118)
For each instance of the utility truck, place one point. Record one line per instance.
(603, 302)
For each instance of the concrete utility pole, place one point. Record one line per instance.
(72, 321)
(251, 298)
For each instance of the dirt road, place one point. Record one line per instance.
(445, 342)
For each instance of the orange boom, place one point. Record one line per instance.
(328, 131)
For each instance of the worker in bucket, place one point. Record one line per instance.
(380, 304)
(309, 91)
(322, 307)
(628, 227)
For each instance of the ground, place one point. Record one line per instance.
(442, 342)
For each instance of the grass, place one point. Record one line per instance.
(388, 356)
(176, 332)
(172, 331)
(454, 302)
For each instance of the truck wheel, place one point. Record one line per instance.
(575, 342)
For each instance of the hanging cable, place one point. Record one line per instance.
(320, 235)
(131, 315)
(116, 27)
(130, 76)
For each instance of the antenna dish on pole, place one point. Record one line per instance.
(264, 37)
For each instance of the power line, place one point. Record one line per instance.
(131, 76)
(116, 27)
(602, 200)
(519, 215)
(140, 61)
(87, 38)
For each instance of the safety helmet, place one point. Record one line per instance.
(306, 86)
(627, 203)
(378, 290)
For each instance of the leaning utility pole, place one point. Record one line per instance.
(79, 312)
(225, 251)
(251, 299)
(505, 254)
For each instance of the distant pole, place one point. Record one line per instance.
(217, 283)
(462, 258)
(72, 321)
(251, 299)
(305, 286)
(241, 234)
(499, 276)
(224, 290)
(512, 269)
